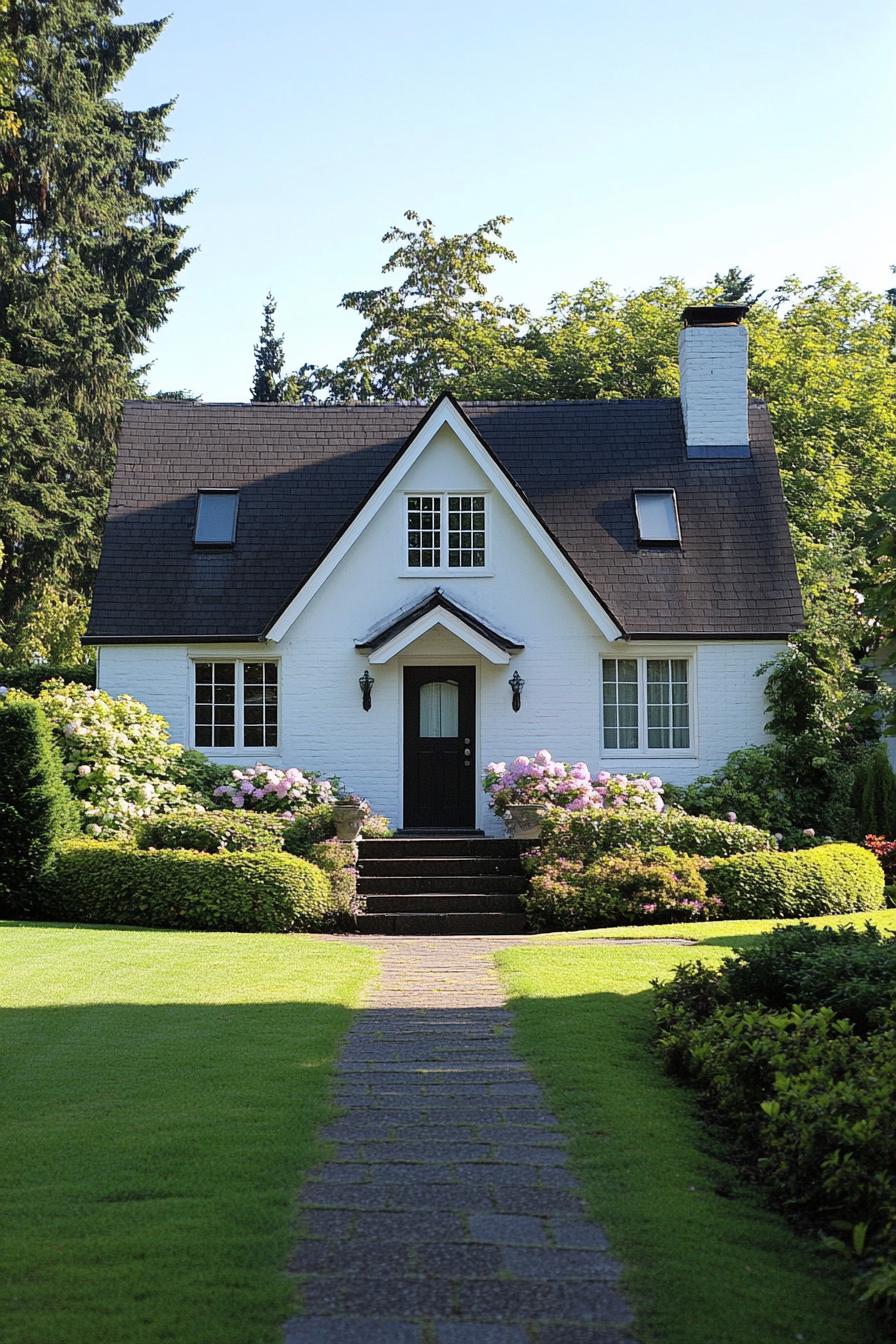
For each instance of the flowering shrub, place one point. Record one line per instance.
(118, 759)
(885, 852)
(655, 887)
(542, 780)
(589, 834)
(266, 789)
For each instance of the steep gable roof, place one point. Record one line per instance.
(304, 472)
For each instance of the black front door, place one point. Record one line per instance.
(439, 747)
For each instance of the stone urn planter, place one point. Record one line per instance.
(524, 821)
(349, 816)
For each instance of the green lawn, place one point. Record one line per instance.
(160, 1095)
(708, 1263)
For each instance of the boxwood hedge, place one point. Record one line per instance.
(212, 832)
(829, 880)
(588, 835)
(108, 883)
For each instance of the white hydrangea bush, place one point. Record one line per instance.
(118, 758)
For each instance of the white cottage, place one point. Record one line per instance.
(400, 595)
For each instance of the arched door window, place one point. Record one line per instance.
(438, 709)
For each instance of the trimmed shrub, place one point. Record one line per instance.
(850, 970)
(587, 835)
(36, 809)
(655, 887)
(106, 883)
(212, 832)
(31, 679)
(830, 880)
(310, 827)
(332, 855)
(809, 1093)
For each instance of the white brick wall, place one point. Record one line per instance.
(713, 362)
(324, 726)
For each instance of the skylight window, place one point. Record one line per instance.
(657, 515)
(216, 517)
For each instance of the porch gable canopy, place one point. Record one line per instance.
(396, 632)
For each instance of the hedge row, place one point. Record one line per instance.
(212, 832)
(586, 836)
(830, 880)
(107, 883)
(30, 679)
(792, 1043)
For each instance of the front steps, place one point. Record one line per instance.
(440, 885)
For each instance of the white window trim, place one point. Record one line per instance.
(445, 571)
(642, 752)
(229, 753)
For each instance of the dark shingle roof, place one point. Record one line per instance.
(303, 471)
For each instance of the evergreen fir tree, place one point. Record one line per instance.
(734, 285)
(268, 383)
(90, 252)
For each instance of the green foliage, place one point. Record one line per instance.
(311, 826)
(200, 776)
(31, 679)
(376, 827)
(90, 253)
(874, 794)
(36, 809)
(792, 1043)
(212, 832)
(588, 834)
(829, 880)
(117, 757)
(268, 382)
(653, 887)
(331, 856)
(852, 971)
(98, 882)
(763, 787)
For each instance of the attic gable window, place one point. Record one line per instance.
(656, 512)
(446, 532)
(216, 512)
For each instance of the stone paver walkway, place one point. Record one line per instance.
(448, 1214)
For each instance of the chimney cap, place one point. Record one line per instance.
(714, 314)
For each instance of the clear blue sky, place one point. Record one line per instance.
(629, 140)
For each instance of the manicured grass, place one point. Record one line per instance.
(160, 1097)
(708, 1263)
(724, 932)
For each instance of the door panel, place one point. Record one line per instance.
(439, 747)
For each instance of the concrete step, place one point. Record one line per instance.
(435, 925)
(434, 847)
(439, 903)
(497, 866)
(437, 883)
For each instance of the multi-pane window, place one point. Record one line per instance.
(259, 704)
(646, 704)
(215, 704)
(668, 715)
(466, 531)
(424, 531)
(235, 704)
(446, 531)
(620, 704)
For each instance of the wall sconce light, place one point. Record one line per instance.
(366, 684)
(516, 684)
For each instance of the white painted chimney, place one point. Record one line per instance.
(712, 357)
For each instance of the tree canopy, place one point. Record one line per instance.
(90, 254)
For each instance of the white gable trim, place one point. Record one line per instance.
(448, 621)
(446, 413)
